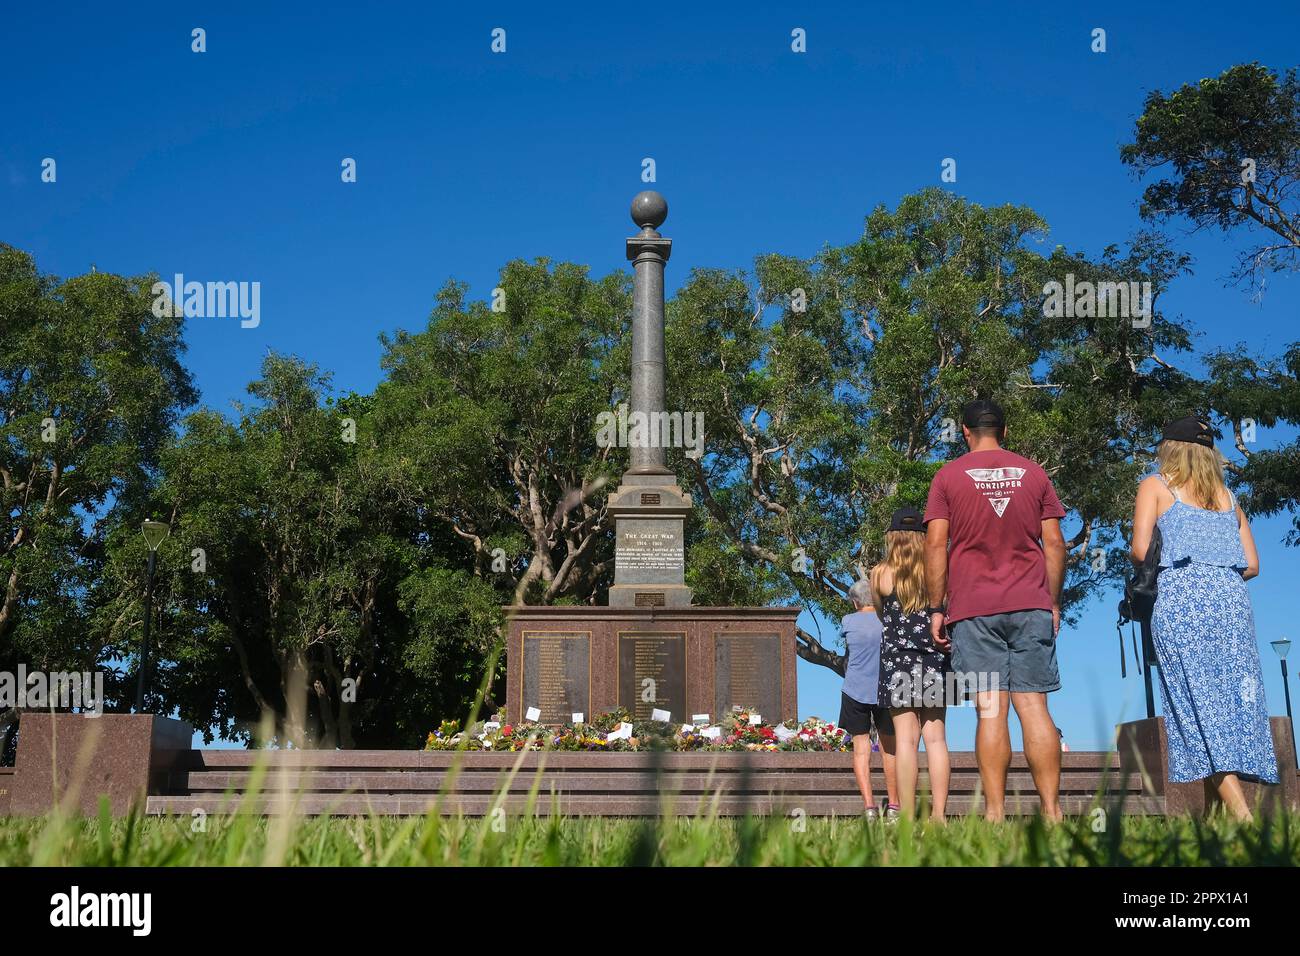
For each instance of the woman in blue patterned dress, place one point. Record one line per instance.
(1216, 719)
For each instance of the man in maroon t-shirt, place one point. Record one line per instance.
(995, 555)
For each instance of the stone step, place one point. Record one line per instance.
(489, 781)
(593, 805)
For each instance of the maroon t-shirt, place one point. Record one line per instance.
(995, 503)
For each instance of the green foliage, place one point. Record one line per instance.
(489, 425)
(337, 564)
(297, 600)
(822, 420)
(91, 384)
(1229, 150)
(1261, 393)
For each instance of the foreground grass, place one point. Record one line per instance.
(559, 841)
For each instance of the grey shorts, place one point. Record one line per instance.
(1016, 649)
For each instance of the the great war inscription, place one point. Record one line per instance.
(648, 546)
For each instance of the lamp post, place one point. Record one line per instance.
(154, 533)
(1281, 646)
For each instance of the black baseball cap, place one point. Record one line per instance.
(1189, 428)
(983, 413)
(907, 519)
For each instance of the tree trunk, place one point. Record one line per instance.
(293, 683)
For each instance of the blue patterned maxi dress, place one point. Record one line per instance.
(1216, 719)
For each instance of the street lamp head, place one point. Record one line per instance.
(154, 532)
(1281, 646)
(649, 209)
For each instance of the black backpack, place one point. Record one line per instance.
(1140, 589)
(1138, 602)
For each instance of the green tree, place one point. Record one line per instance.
(91, 385)
(288, 587)
(832, 387)
(1228, 149)
(489, 424)
(1250, 393)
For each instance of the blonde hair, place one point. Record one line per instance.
(1195, 468)
(905, 558)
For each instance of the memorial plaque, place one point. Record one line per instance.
(747, 672)
(556, 675)
(661, 658)
(649, 551)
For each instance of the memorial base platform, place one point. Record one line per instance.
(146, 761)
(599, 784)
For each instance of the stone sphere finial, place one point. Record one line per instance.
(649, 209)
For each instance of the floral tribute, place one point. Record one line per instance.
(739, 731)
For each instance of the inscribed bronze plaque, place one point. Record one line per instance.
(652, 674)
(557, 674)
(747, 674)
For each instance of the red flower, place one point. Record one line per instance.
(507, 730)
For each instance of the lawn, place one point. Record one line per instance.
(578, 841)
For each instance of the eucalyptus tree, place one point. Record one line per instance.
(489, 415)
(91, 385)
(832, 387)
(1224, 153)
(297, 603)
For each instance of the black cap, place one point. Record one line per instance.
(983, 413)
(1189, 429)
(907, 519)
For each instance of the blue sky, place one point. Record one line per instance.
(225, 165)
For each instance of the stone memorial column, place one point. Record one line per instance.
(649, 508)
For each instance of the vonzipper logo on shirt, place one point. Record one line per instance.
(986, 476)
(1000, 481)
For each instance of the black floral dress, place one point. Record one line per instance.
(913, 670)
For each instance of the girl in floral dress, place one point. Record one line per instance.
(913, 670)
(1216, 718)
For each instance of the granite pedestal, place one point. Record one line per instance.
(74, 760)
